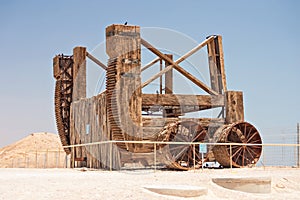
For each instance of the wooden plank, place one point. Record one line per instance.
(234, 106)
(194, 50)
(169, 77)
(95, 60)
(222, 67)
(182, 100)
(150, 64)
(79, 73)
(177, 67)
(160, 79)
(216, 65)
(161, 122)
(213, 67)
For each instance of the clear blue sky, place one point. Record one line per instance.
(260, 38)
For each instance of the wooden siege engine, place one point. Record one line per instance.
(117, 113)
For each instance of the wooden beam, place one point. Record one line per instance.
(79, 73)
(195, 49)
(234, 107)
(95, 60)
(182, 100)
(216, 65)
(169, 78)
(222, 67)
(157, 75)
(177, 67)
(150, 64)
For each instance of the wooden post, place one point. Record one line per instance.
(79, 73)
(234, 106)
(169, 77)
(123, 44)
(216, 65)
(160, 78)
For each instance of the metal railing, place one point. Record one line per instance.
(274, 154)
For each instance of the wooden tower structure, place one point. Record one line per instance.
(116, 114)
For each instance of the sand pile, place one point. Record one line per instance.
(40, 150)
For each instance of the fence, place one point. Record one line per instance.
(282, 155)
(37, 159)
(285, 155)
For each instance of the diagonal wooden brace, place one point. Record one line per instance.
(177, 67)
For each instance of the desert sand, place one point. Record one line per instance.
(97, 184)
(29, 183)
(42, 150)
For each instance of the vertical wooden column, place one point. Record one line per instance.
(123, 45)
(216, 65)
(79, 73)
(234, 106)
(169, 77)
(79, 91)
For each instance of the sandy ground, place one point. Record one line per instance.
(37, 149)
(75, 184)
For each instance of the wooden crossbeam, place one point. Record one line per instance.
(95, 60)
(183, 100)
(176, 66)
(150, 64)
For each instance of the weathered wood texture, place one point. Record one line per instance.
(234, 106)
(63, 72)
(89, 124)
(216, 65)
(79, 73)
(169, 77)
(124, 81)
(56, 68)
(211, 101)
(160, 122)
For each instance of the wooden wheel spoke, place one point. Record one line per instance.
(237, 151)
(198, 156)
(180, 153)
(233, 147)
(253, 151)
(240, 153)
(249, 132)
(194, 134)
(200, 134)
(248, 150)
(243, 163)
(176, 147)
(245, 130)
(256, 146)
(248, 140)
(180, 138)
(258, 141)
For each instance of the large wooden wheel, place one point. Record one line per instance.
(242, 155)
(183, 154)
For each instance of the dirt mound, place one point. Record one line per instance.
(35, 150)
